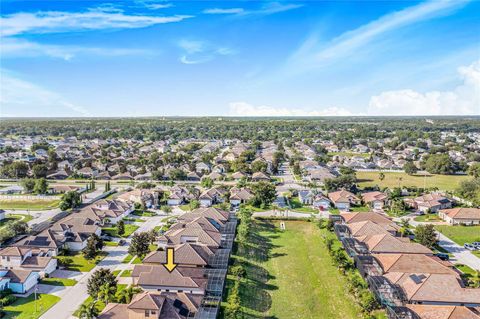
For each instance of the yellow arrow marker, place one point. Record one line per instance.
(170, 264)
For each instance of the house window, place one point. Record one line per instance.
(147, 313)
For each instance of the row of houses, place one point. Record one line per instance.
(32, 257)
(406, 277)
(202, 241)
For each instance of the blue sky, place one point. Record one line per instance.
(244, 58)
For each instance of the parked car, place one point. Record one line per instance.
(476, 244)
(121, 242)
(443, 256)
(469, 246)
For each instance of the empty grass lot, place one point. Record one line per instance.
(442, 182)
(24, 308)
(460, 234)
(14, 217)
(290, 275)
(29, 204)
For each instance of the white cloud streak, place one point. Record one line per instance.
(197, 52)
(246, 109)
(462, 100)
(314, 54)
(17, 95)
(265, 9)
(94, 19)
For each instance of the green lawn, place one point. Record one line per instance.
(58, 281)
(77, 262)
(13, 217)
(129, 257)
(110, 243)
(130, 219)
(143, 213)
(428, 218)
(29, 204)
(112, 231)
(442, 182)
(460, 234)
(126, 273)
(24, 308)
(290, 275)
(297, 206)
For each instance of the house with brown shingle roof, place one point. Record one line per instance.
(343, 199)
(432, 202)
(186, 255)
(23, 258)
(443, 312)
(383, 221)
(147, 305)
(181, 279)
(375, 200)
(461, 216)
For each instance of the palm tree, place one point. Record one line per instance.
(88, 310)
(107, 292)
(126, 295)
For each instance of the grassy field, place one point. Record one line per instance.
(77, 262)
(290, 275)
(112, 231)
(460, 234)
(24, 308)
(442, 182)
(58, 281)
(29, 204)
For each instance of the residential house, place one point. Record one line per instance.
(154, 305)
(23, 258)
(343, 199)
(240, 196)
(321, 202)
(375, 200)
(430, 202)
(260, 176)
(18, 280)
(461, 216)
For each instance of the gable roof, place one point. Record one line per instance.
(462, 213)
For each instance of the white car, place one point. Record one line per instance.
(469, 247)
(476, 244)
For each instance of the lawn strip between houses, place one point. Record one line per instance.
(289, 274)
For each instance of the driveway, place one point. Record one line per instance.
(460, 254)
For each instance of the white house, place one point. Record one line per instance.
(461, 216)
(18, 280)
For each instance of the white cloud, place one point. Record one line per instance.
(224, 11)
(158, 6)
(245, 109)
(22, 98)
(311, 53)
(93, 19)
(13, 47)
(462, 100)
(196, 51)
(265, 9)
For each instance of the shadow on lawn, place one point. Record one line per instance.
(255, 297)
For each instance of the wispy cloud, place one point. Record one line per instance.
(14, 47)
(17, 95)
(265, 9)
(246, 109)
(312, 53)
(93, 19)
(462, 100)
(196, 51)
(158, 6)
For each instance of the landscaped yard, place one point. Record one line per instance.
(13, 217)
(126, 273)
(349, 154)
(112, 231)
(290, 275)
(143, 213)
(22, 204)
(297, 206)
(77, 262)
(129, 257)
(460, 234)
(442, 182)
(58, 281)
(24, 308)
